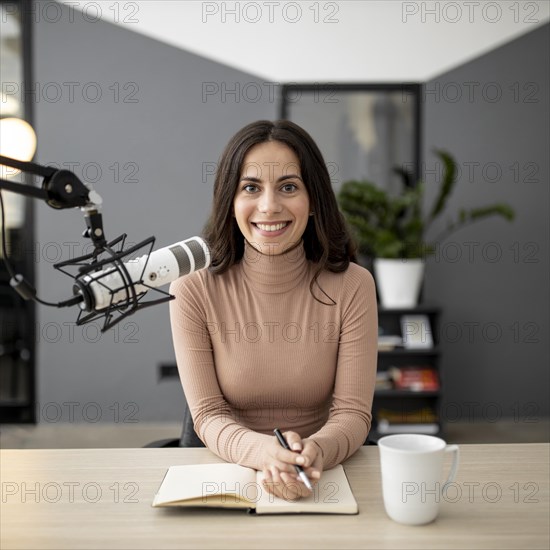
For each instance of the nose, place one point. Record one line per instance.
(269, 202)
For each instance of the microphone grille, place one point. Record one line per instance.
(183, 259)
(198, 254)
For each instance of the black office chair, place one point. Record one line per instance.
(188, 438)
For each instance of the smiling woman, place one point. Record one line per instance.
(256, 347)
(271, 205)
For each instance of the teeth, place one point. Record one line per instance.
(272, 227)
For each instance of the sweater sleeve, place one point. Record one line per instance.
(350, 414)
(213, 419)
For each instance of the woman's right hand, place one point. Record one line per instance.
(280, 477)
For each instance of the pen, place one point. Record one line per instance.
(298, 469)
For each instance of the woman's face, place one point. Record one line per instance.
(271, 204)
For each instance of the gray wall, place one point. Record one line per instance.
(163, 127)
(495, 309)
(160, 126)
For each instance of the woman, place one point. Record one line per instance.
(281, 330)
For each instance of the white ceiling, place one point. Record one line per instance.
(344, 41)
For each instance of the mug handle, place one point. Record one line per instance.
(452, 449)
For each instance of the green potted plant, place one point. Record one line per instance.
(391, 230)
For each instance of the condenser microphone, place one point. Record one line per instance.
(117, 283)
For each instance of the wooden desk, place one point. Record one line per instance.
(101, 498)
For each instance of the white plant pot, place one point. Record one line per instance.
(399, 281)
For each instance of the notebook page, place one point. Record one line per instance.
(199, 482)
(332, 495)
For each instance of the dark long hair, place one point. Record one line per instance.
(327, 239)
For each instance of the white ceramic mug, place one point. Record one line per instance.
(412, 467)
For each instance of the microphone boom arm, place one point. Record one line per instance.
(62, 189)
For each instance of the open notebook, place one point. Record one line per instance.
(233, 486)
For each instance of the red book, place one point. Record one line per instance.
(415, 378)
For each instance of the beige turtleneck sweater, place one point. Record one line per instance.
(255, 351)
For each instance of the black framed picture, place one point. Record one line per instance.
(363, 130)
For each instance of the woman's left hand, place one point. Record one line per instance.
(287, 485)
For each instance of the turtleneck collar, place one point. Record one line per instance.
(274, 274)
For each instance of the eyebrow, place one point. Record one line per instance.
(282, 178)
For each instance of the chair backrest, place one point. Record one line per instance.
(189, 437)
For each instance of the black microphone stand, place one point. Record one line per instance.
(62, 189)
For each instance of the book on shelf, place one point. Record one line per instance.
(424, 415)
(414, 378)
(386, 428)
(389, 342)
(224, 485)
(422, 421)
(383, 380)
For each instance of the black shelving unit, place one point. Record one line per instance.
(17, 350)
(18, 317)
(407, 403)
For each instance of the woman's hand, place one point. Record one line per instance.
(280, 477)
